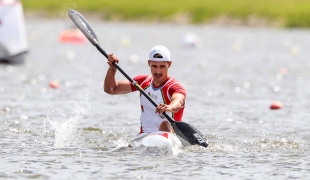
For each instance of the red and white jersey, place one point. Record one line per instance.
(150, 120)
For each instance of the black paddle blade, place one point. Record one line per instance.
(188, 134)
(83, 25)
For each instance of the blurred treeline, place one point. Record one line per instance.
(284, 13)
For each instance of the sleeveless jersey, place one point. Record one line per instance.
(150, 120)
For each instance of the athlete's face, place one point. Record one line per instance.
(159, 71)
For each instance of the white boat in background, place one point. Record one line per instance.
(160, 139)
(13, 41)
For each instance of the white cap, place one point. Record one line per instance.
(161, 51)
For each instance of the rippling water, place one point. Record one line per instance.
(232, 76)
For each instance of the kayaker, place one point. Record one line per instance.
(165, 90)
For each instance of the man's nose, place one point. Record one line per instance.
(158, 69)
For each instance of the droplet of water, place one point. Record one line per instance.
(237, 89)
(10, 68)
(33, 81)
(276, 88)
(23, 77)
(295, 50)
(44, 90)
(237, 46)
(209, 93)
(246, 84)
(24, 117)
(71, 55)
(283, 140)
(41, 77)
(134, 58)
(279, 76)
(126, 41)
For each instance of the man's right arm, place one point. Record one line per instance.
(110, 84)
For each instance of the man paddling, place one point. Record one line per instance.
(166, 91)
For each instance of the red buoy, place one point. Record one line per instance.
(276, 105)
(54, 84)
(72, 36)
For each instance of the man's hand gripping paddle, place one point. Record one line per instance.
(188, 134)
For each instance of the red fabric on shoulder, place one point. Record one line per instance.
(177, 88)
(139, 79)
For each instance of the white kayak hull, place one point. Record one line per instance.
(159, 139)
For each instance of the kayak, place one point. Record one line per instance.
(160, 139)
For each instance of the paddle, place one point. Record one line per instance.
(188, 134)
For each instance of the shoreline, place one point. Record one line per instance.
(264, 13)
(180, 19)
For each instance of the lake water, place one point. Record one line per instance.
(232, 76)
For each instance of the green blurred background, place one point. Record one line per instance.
(280, 13)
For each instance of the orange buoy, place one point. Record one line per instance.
(276, 105)
(72, 36)
(54, 84)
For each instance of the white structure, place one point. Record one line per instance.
(13, 41)
(160, 139)
(192, 40)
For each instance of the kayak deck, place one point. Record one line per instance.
(159, 139)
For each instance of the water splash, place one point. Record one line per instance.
(66, 133)
(66, 122)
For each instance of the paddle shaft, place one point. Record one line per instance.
(134, 83)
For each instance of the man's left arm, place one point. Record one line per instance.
(177, 101)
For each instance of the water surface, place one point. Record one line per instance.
(232, 76)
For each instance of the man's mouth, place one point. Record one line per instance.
(158, 75)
